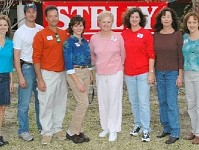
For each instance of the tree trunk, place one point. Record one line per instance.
(196, 5)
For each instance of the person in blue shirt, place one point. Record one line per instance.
(6, 69)
(79, 76)
(190, 52)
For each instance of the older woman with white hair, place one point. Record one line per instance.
(108, 54)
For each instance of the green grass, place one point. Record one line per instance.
(92, 129)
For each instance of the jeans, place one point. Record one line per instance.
(168, 101)
(24, 98)
(139, 94)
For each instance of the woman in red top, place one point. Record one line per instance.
(138, 69)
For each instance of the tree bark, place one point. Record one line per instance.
(195, 5)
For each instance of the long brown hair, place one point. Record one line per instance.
(4, 17)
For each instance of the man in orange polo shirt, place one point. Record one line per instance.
(49, 67)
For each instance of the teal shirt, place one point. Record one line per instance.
(190, 52)
(6, 57)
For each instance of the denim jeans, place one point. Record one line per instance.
(139, 95)
(24, 98)
(168, 101)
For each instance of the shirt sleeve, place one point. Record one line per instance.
(150, 45)
(68, 58)
(17, 41)
(38, 43)
(180, 55)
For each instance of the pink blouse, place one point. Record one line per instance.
(107, 54)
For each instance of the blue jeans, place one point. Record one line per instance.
(168, 101)
(139, 94)
(24, 97)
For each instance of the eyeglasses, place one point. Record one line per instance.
(57, 38)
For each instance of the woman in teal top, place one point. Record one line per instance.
(191, 72)
(6, 68)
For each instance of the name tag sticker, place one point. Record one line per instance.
(49, 37)
(77, 44)
(139, 35)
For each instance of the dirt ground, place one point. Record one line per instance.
(92, 128)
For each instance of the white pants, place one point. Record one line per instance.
(110, 91)
(192, 94)
(52, 102)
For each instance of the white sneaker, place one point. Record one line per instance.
(26, 136)
(104, 133)
(112, 136)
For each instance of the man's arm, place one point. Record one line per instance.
(40, 81)
(21, 79)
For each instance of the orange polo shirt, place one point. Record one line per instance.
(47, 51)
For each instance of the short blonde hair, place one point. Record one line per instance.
(4, 17)
(104, 14)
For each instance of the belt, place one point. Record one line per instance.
(80, 67)
(24, 62)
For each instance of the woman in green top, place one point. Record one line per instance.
(191, 71)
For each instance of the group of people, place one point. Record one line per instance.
(45, 58)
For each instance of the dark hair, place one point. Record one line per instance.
(175, 24)
(75, 20)
(4, 17)
(187, 16)
(127, 15)
(49, 8)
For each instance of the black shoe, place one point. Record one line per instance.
(171, 140)
(3, 141)
(85, 137)
(163, 134)
(75, 138)
(1, 144)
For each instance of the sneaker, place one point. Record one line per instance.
(112, 136)
(46, 139)
(60, 135)
(146, 137)
(26, 136)
(135, 130)
(104, 133)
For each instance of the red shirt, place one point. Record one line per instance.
(139, 49)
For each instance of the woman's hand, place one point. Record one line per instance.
(80, 85)
(151, 78)
(11, 87)
(179, 81)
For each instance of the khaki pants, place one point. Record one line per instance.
(192, 94)
(52, 102)
(76, 125)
